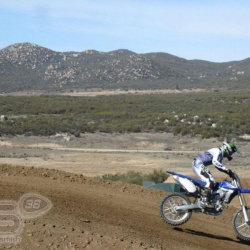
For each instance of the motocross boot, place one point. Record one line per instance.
(218, 207)
(216, 202)
(216, 199)
(207, 195)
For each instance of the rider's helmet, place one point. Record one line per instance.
(229, 148)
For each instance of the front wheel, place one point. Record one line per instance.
(168, 212)
(241, 227)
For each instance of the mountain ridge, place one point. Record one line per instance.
(27, 66)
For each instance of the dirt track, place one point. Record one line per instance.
(89, 213)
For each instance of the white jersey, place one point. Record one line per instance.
(212, 156)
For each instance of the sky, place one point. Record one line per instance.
(211, 30)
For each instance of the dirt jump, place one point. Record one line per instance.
(90, 213)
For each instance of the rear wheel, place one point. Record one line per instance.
(168, 212)
(241, 227)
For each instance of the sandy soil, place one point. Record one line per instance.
(94, 92)
(97, 154)
(89, 213)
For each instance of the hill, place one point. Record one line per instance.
(26, 66)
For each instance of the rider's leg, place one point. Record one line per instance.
(205, 175)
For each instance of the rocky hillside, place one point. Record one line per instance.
(28, 66)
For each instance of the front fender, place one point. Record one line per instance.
(245, 191)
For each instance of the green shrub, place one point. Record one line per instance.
(219, 114)
(132, 177)
(158, 176)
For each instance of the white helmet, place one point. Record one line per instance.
(229, 148)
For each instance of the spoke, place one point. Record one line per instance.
(167, 209)
(168, 213)
(244, 228)
(245, 231)
(242, 225)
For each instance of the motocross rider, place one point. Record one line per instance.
(213, 156)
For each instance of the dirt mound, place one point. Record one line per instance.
(89, 213)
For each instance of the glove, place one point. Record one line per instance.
(230, 173)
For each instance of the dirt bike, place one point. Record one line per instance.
(176, 208)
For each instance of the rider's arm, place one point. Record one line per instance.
(217, 159)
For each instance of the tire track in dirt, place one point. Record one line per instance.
(90, 213)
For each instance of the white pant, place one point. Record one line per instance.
(204, 173)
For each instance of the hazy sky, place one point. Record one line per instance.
(212, 30)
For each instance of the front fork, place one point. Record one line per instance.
(243, 207)
(242, 203)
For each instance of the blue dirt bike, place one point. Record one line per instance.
(176, 208)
